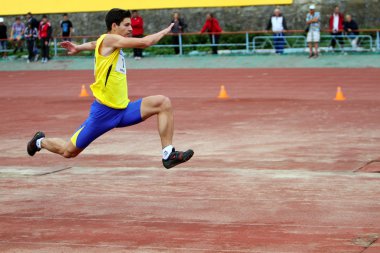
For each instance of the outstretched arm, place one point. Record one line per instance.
(117, 41)
(73, 49)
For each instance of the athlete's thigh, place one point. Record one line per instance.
(132, 114)
(100, 120)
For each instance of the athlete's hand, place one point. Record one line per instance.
(169, 28)
(71, 48)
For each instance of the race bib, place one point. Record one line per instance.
(121, 66)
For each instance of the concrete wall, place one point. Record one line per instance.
(365, 12)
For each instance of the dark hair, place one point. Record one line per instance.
(44, 16)
(134, 11)
(18, 18)
(65, 14)
(116, 16)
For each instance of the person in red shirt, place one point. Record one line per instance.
(336, 27)
(44, 34)
(138, 32)
(212, 26)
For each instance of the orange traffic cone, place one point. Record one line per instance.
(339, 95)
(83, 92)
(223, 92)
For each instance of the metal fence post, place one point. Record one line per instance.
(213, 39)
(247, 42)
(180, 44)
(378, 40)
(55, 47)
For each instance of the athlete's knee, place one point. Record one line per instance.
(68, 154)
(165, 103)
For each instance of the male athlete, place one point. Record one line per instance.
(112, 108)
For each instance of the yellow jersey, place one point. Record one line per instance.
(110, 86)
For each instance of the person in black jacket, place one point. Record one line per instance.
(31, 35)
(277, 24)
(351, 29)
(179, 27)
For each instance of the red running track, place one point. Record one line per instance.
(277, 167)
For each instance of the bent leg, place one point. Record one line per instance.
(161, 106)
(61, 147)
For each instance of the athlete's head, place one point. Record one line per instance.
(118, 21)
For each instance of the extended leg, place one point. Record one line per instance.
(54, 145)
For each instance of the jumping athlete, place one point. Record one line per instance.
(112, 108)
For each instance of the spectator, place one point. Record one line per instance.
(277, 24)
(31, 34)
(3, 37)
(179, 27)
(32, 20)
(352, 30)
(138, 32)
(45, 33)
(17, 34)
(336, 28)
(35, 24)
(67, 27)
(313, 34)
(212, 26)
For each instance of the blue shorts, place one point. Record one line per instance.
(102, 119)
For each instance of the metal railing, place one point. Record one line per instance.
(249, 42)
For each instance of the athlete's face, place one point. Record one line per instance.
(125, 28)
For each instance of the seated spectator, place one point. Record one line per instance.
(212, 26)
(31, 34)
(351, 29)
(277, 24)
(17, 34)
(3, 37)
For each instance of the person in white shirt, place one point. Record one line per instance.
(313, 30)
(277, 24)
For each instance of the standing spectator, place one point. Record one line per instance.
(138, 32)
(17, 34)
(179, 27)
(45, 32)
(352, 30)
(67, 27)
(212, 26)
(313, 34)
(3, 37)
(35, 24)
(336, 27)
(31, 35)
(277, 24)
(32, 20)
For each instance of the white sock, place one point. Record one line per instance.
(38, 142)
(166, 152)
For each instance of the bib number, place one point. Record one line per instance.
(121, 65)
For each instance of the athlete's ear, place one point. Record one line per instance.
(114, 27)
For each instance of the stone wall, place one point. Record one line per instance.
(365, 12)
